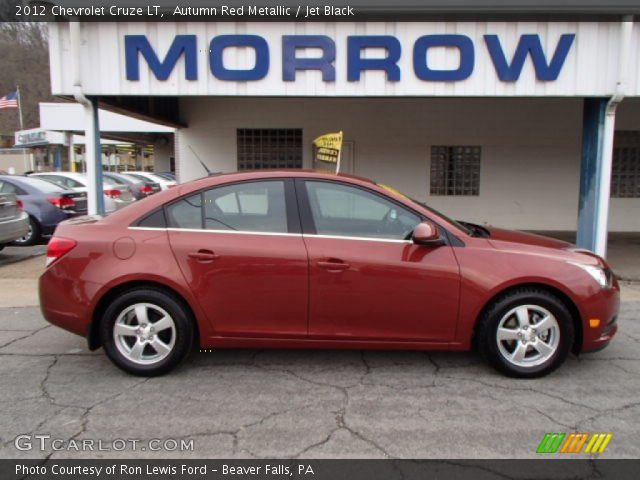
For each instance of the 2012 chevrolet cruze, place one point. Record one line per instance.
(312, 260)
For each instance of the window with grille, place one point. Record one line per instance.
(260, 148)
(625, 173)
(455, 170)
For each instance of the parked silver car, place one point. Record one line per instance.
(14, 221)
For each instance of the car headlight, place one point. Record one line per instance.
(601, 275)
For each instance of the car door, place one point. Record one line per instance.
(367, 280)
(240, 249)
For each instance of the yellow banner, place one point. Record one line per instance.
(328, 147)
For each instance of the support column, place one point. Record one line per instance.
(598, 126)
(93, 160)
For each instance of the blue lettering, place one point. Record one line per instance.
(216, 50)
(461, 42)
(182, 44)
(356, 64)
(290, 63)
(528, 44)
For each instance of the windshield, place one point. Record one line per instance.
(457, 224)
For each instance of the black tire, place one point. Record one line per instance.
(491, 349)
(33, 237)
(173, 306)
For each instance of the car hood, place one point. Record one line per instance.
(538, 244)
(514, 236)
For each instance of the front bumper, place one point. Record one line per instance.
(14, 228)
(602, 307)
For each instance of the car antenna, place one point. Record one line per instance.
(206, 169)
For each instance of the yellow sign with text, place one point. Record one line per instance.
(328, 147)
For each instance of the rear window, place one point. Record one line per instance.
(113, 179)
(140, 178)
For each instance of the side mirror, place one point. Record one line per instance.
(426, 233)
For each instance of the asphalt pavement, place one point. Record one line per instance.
(303, 404)
(309, 404)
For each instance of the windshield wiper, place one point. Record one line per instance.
(476, 230)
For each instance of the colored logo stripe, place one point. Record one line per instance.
(598, 443)
(550, 443)
(574, 442)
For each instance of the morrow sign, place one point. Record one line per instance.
(508, 68)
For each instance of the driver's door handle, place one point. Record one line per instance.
(334, 265)
(203, 256)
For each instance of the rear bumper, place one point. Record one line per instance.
(602, 307)
(14, 228)
(65, 300)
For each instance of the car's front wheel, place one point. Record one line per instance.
(146, 332)
(526, 333)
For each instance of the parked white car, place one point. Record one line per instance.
(165, 183)
(115, 197)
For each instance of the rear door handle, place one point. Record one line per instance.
(204, 256)
(335, 265)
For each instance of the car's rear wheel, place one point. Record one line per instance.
(526, 333)
(32, 237)
(146, 332)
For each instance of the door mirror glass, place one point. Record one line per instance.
(426, 233)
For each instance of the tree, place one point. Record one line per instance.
(24, 62)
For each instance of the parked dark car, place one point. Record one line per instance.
(46, 204)
(139, 188)
(14, 222)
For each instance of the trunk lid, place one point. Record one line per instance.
(8, 206)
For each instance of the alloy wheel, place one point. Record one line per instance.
(528, 335)
(144, 333)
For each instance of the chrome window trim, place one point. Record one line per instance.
(203, 230)
(366, 239)
(276, 234)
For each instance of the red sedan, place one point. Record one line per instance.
(302, 259)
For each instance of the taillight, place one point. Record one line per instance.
(112, 193)
(58, 247)
(62, 202)
(146, 189)
(19, 205)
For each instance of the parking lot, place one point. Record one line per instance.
(301, 404)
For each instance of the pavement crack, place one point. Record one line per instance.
(30, 334)
(520, 389)
(608, 411)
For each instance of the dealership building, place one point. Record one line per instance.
(523, 124)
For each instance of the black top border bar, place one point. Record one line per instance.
(327, 10)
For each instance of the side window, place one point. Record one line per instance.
(186, 213)
(154, 220)
(71, 183)
(348, 211)
(249, 207)
(6, 187)
(244, 207)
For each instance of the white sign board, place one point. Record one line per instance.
(344, 59)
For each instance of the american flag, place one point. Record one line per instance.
(10, 100)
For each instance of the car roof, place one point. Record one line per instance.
(290, 173)
(63, 174)
(25, 181)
